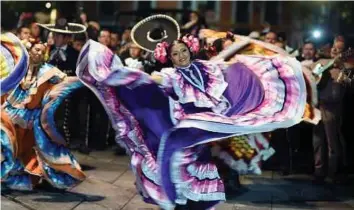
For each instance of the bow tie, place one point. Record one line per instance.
(58, 53)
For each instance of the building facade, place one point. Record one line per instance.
(224, 15)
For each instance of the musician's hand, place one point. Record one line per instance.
(342, 78)
(334, 73)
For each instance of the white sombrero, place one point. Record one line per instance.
(63, 27)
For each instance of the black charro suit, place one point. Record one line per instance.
(71, 116)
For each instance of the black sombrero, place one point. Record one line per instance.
(153, 30)
(63, 27)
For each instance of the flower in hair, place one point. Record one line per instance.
(192, 43)
(160, 52)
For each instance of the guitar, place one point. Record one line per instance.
(338, 60)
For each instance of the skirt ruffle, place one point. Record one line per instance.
(51, 159)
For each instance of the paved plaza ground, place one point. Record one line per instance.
(110, 185)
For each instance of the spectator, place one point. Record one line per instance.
(195, 23)
(104, 37)
(83, 19)
(79, 41)
(50, 45)
(115, 41)
(126, 37)
(309, 51)
(308, 56)
(35, 31)
(271, 37)
(134, 57)
(23, 33)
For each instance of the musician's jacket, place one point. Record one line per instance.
(330, 92)
(64, 58)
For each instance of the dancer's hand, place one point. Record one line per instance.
(156, 78)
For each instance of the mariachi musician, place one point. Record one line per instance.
(71, 118)
(328, 134)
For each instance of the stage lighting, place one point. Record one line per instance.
(316, 34)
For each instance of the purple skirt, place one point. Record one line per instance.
(171, 159)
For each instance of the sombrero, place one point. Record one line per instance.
(14, 61)
(153, 30)
(63, 27)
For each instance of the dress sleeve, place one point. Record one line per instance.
(167, 75)
(167, 80)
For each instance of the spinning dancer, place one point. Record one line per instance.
(32, 149)
(168, 120)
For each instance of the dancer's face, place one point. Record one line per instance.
(36, 53)
(180, 55)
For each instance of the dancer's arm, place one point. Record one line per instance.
(164, 77)
(157, 78)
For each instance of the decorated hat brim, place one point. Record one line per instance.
(140, 32)
(73, 28)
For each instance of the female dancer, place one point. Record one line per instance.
(32, 149)
(166, 121)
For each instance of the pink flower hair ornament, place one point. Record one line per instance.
(160, 52)
(192, 43)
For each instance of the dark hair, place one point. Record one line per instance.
(115, 32)
(80, 37)
(282, 36)
(92, 33)
(310, 42)
(175, 42)
(19, 29)
(217, 44)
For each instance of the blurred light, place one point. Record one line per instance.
(316, 34)
(53, 16)
(48, 5)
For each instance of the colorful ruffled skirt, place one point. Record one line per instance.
(173, 160)
(32, 148)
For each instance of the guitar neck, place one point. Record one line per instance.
(327, 66)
